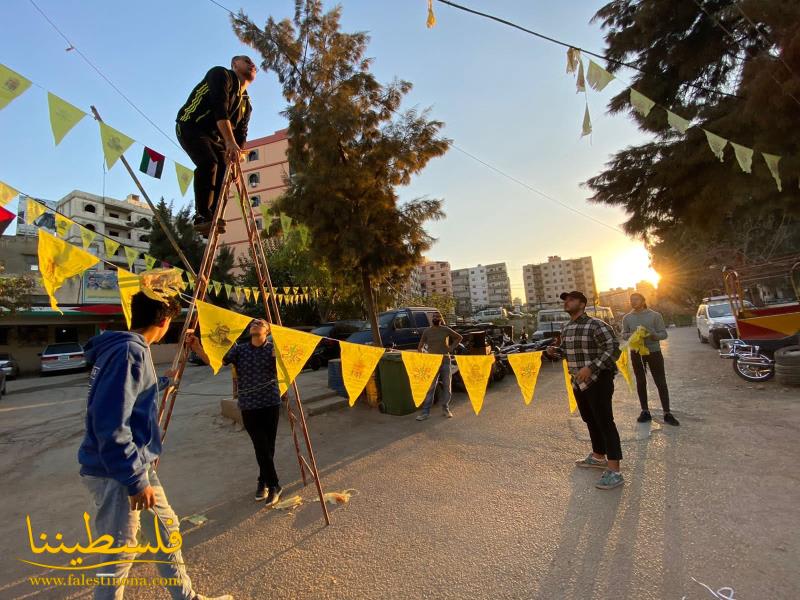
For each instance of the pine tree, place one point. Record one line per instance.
(349, 148)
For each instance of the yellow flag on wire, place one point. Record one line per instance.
(421, 369)
(115, 143)
(185, 176)
(256, 294)
(63, 116)
(111, 247)
(238, 291)
(597, 77)
(217, 288)
(149, 261)
(33, 210)
(641, 103)
(219, 329)
(131, 254)
(717, 144)
(573, 403)
(228, 290)
(128, 284)
(586, 128)
(286, 290)
(87, 237)
(358, 363)
(58, 261)
(12, 84)
(247, 293)
(624, 365)
(63, 225)
(431, 16)
(526, 366)
(292, 350)
(475, 371)
(744, 156)
(678, 122)
(772, 161)
(7, 193)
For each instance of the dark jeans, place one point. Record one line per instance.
(262, 426)
(655, 361)
(594, 404)
(208, 155)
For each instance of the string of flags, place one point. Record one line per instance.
(598, 78)
(64, 116)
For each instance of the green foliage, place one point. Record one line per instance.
(445, 304)
(15, 293)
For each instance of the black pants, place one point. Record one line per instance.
(208, 155)
(655, 361)
(594, 404)
(262, 425)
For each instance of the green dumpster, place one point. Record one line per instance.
(396, 396)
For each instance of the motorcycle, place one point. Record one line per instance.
(749, 362)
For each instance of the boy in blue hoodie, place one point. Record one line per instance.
(122, 443)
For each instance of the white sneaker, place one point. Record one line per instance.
(447, 413)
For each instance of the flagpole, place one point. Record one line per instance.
(164, 226)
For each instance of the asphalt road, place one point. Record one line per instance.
(487, 506)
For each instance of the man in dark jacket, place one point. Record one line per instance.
(121, 444)
(212, 128)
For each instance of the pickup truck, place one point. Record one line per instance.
(400, 328)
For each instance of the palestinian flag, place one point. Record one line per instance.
(152, 163)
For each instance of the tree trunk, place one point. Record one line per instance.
(370, 304)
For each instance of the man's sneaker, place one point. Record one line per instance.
(668, 418)
(223, 597)
(423, 417)
(273, 495)
(609, 480)
(644, 417)
(590, 462)
(261, 492)
(202, 225)
(447, 413)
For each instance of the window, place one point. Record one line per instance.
(32, 261)
(402, 322)
(144, 238)
(113, 215)
(4, 336)
(252, 155)
(66, 334)
(90, 227)
(258, 224)
(255, 200)
(253, 179)
(89, 208)
(113, 233)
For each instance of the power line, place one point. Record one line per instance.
(567, 45)
(103, 76)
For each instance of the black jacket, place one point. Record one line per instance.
(215, 98)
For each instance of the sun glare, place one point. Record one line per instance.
(631, 267)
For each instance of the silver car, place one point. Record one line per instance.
(63, 357)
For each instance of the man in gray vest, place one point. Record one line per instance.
(439, 339)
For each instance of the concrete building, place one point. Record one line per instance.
(435, 278)
(266, 170)
(544, 282)
(618, 299)
(461, 292)
(498, 285)
(479, 287)
(412, 288)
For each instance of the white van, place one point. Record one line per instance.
(490, 314)
(550, 321)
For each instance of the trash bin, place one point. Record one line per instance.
(396, 396)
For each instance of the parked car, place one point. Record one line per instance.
(400, 328)
(2, 383)
(8, 365)
(66, 356)
(714, 318)
(333, 333)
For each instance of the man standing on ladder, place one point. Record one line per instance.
(212, 128)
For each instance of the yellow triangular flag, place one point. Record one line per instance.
(185, 176)
(238, 291)
(12, 84)
(63, 116)
(115, 143)
(217, 287)
(87, 237)
(7, 193)
(772, 161)
(597, 77)
(191, 280)
(358, 363)
(573, 403)
(744, 156)
(624, 365)
(475, 371)
(256, 294)
(678, 122)
(717, 145)
(149, 261)
(641, 103)
(58, 261)
(421, 369)
(586, 129)
(246, 293)
(286, 290)
(292, 350)
(228, 290)
(431, 17)
(128, 284)
(219, 329)
(131, 254)
(33, 210)
(573, 58)
(63, 225)
(111, 247)
(580, 80)
(526, 366)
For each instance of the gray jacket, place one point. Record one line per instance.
(650, 320)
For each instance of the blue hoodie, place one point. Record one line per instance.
(122, 433)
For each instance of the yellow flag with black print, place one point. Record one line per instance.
(526, 366)
(58, 261)
(292, 350)
(12, 84)
(573, 403)
(421, 369)
(475, 371)
(128, 284)
(87, 237)
(33, 210)
(358, 363)
(63, 225)
(111, 247)
(115, 143)
(624, 365)
(63, 116)
(219, 329)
